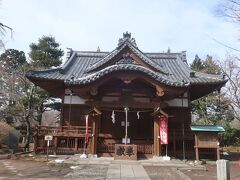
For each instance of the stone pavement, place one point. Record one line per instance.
(125, 171)
(108, 168)
(76, 160)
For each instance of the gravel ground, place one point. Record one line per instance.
(163, 173)
(88, 172)
(211, 173)
(22, 169)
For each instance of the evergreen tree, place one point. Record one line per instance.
(46, 53)
(11, 59)
(213, 108)
(29, 99)
(197, 64)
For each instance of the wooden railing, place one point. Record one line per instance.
(108, 145)
(66, 139)
(63, 145)
(71, 139)
(62, 130)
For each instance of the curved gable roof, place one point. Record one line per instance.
(88, 66)
(126, 44)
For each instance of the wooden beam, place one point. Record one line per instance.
(156, 143)
(170, 91)
(131, 104)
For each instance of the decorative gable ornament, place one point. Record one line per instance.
(127, 59)
(127, 37)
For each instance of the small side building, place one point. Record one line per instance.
(206, 138)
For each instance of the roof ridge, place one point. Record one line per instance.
(163, 53)
(124, 44)
(148, 53)
(105, 59)
(210, 76)
(67, 64)
(31, 72)
(83, 51)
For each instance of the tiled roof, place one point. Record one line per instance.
(128, 67)
(178, 72)
(168, 68)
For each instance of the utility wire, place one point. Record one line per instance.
(223, 44)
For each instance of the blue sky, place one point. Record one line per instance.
(155, 24)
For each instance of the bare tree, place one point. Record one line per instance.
(3, 31)
(230, 9)
(22, 110)
(231, 68)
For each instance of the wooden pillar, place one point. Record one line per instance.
(94, 135)
(196, 148)
(62, 113)
(196, 153)
(218, 154)
(156, 143)
(174, 143)
(76, 145)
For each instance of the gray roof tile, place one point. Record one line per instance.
(171, 68)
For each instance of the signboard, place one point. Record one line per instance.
(124, 140)
(123, 123)
(48, 138)
(163, 127)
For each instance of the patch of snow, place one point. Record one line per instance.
(166, 158)
(191, 163)
(59, 161)
(225, 153)
(74, 167)
(52, 155)
(83, 156)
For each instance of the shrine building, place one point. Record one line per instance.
(116, 98)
